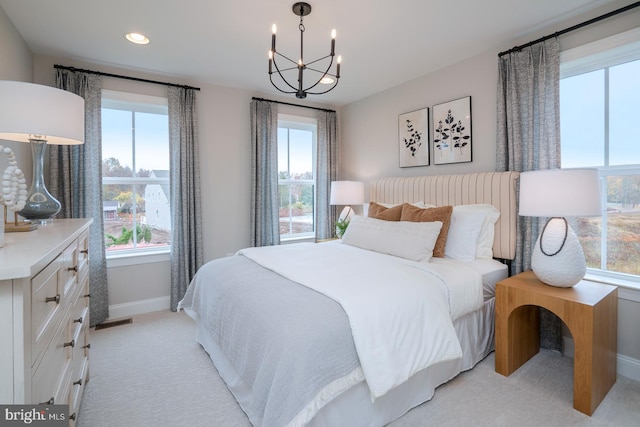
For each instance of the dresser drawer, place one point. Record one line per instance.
(51, 378)
(47, 306)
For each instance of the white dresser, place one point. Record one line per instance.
(44, 315)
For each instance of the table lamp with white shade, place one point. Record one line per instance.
(346, 193)
(558, 258)
(40, 115)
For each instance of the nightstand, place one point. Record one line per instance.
(590, 312)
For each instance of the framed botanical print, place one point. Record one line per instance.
(413, 138)
(452, 131)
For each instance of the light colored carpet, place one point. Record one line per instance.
(152, 372)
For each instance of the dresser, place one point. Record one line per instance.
(44, 315)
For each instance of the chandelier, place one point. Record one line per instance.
(302, 9)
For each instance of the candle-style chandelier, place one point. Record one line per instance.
(302, 9)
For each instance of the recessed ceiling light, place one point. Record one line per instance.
(137, 38)
(327, 80)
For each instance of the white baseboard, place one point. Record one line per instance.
(626, 366)
(128, 309)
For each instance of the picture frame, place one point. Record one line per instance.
(413, 138)
(452, 137)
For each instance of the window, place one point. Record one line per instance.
(135, 173)
(600, 111)
(296, 176)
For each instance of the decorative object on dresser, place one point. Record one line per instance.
(346, 193)
(14, 192)
(452, 131)
(413, 138)
(44, 316)
(303, 9)
(558, 259)
(40, 115)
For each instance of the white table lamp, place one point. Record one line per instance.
(558, 258)
(347, 193)
(40, 115)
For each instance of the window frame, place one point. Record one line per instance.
(598, 55)
(291, 121)
(138, 103)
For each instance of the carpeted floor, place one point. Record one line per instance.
(152, 373)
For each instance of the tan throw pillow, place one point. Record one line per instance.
(443, 214)
(378, 211)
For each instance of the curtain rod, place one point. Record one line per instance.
(118, 76)
(294, 105)
(575, 27)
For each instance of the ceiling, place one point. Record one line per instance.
(225, 42)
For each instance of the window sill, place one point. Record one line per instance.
(627, 289)
(137, 258)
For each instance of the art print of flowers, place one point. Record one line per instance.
(413, 138)
(452, 131)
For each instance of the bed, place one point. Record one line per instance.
(359, 331)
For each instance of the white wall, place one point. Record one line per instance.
(16, 63)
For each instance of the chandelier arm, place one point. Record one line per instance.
(320, 79)
(323, 92)
(320, 59)
(283, 79)
(285, 57)
(276, 86)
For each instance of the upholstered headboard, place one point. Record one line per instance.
(496, 188)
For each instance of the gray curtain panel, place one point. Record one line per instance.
(186, 219)
(326, 172)
(75, 175)
(265, 226)
(528, 138)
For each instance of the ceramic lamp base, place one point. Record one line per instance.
(558, 259)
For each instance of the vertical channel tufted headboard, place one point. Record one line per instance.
(495, 188)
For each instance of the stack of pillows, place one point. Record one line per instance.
(419, 231)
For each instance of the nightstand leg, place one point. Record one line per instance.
(517, 334)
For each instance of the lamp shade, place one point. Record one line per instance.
(560, 193)
(32, 111)
(347, 193)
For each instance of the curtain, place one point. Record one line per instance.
(326, 172)
(528, 138)
(186, 219)
(75, 175)
(265, 226)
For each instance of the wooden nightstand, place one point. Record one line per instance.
(590, 312)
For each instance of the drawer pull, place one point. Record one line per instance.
(48, 402)
(72, 416)
(71, 344)
(79, 382)
(84, 251)
(74, 268)
(86, 346)
(78, 320)
(87, 296)
(55, 299)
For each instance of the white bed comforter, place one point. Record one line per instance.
(400, 311)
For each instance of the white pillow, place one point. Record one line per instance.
(410, 240)
(462, 238)
(484, 245)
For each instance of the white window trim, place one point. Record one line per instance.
(118, 100)
(302, 123)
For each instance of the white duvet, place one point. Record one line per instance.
(400, 311)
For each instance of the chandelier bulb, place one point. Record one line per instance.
(274, 28)
(333, 33)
